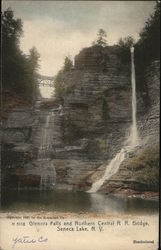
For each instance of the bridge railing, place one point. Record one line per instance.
(47, 82)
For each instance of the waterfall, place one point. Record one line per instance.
(111, 169)
(45, 141)
(47, 170)
(133, 139)
(48, 174)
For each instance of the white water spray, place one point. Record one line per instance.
(111, 169)
(133, 139)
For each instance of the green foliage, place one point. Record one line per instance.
(123, 50)
(146, 166)
(101, 38)
(148, 46)
(58, 85)
(11, 28)
(60, 89)
(147, 49)
(33, 59)
(18, 71)
(126, 42)
(68, 64)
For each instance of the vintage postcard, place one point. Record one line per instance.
(80, 125)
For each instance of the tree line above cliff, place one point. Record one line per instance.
(147, 49)
(148, 45)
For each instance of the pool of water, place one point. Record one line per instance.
(66, 201)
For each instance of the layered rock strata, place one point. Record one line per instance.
(89, 126)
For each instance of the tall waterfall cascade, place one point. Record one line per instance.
(47, 170)
(45, 137)
(133, 139)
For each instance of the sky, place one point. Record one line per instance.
(62, 28)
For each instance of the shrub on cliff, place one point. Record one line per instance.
(146, 166)
(18, 71)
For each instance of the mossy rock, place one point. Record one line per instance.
(146, 166)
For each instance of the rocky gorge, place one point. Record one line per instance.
(86, 127)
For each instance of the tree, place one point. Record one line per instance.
(101, 38)
(18, 70)
(60, 88)
(33, 59)
(148, 45)
(68, 64)
(58, 84)
(126, 42)
(123, 50)
(11, 32)
(11, 28)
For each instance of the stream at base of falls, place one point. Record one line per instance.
(76, 202)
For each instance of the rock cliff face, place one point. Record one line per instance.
(148, 121)
(90, 127)
(148, 125)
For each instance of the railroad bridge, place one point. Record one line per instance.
(47, 81)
